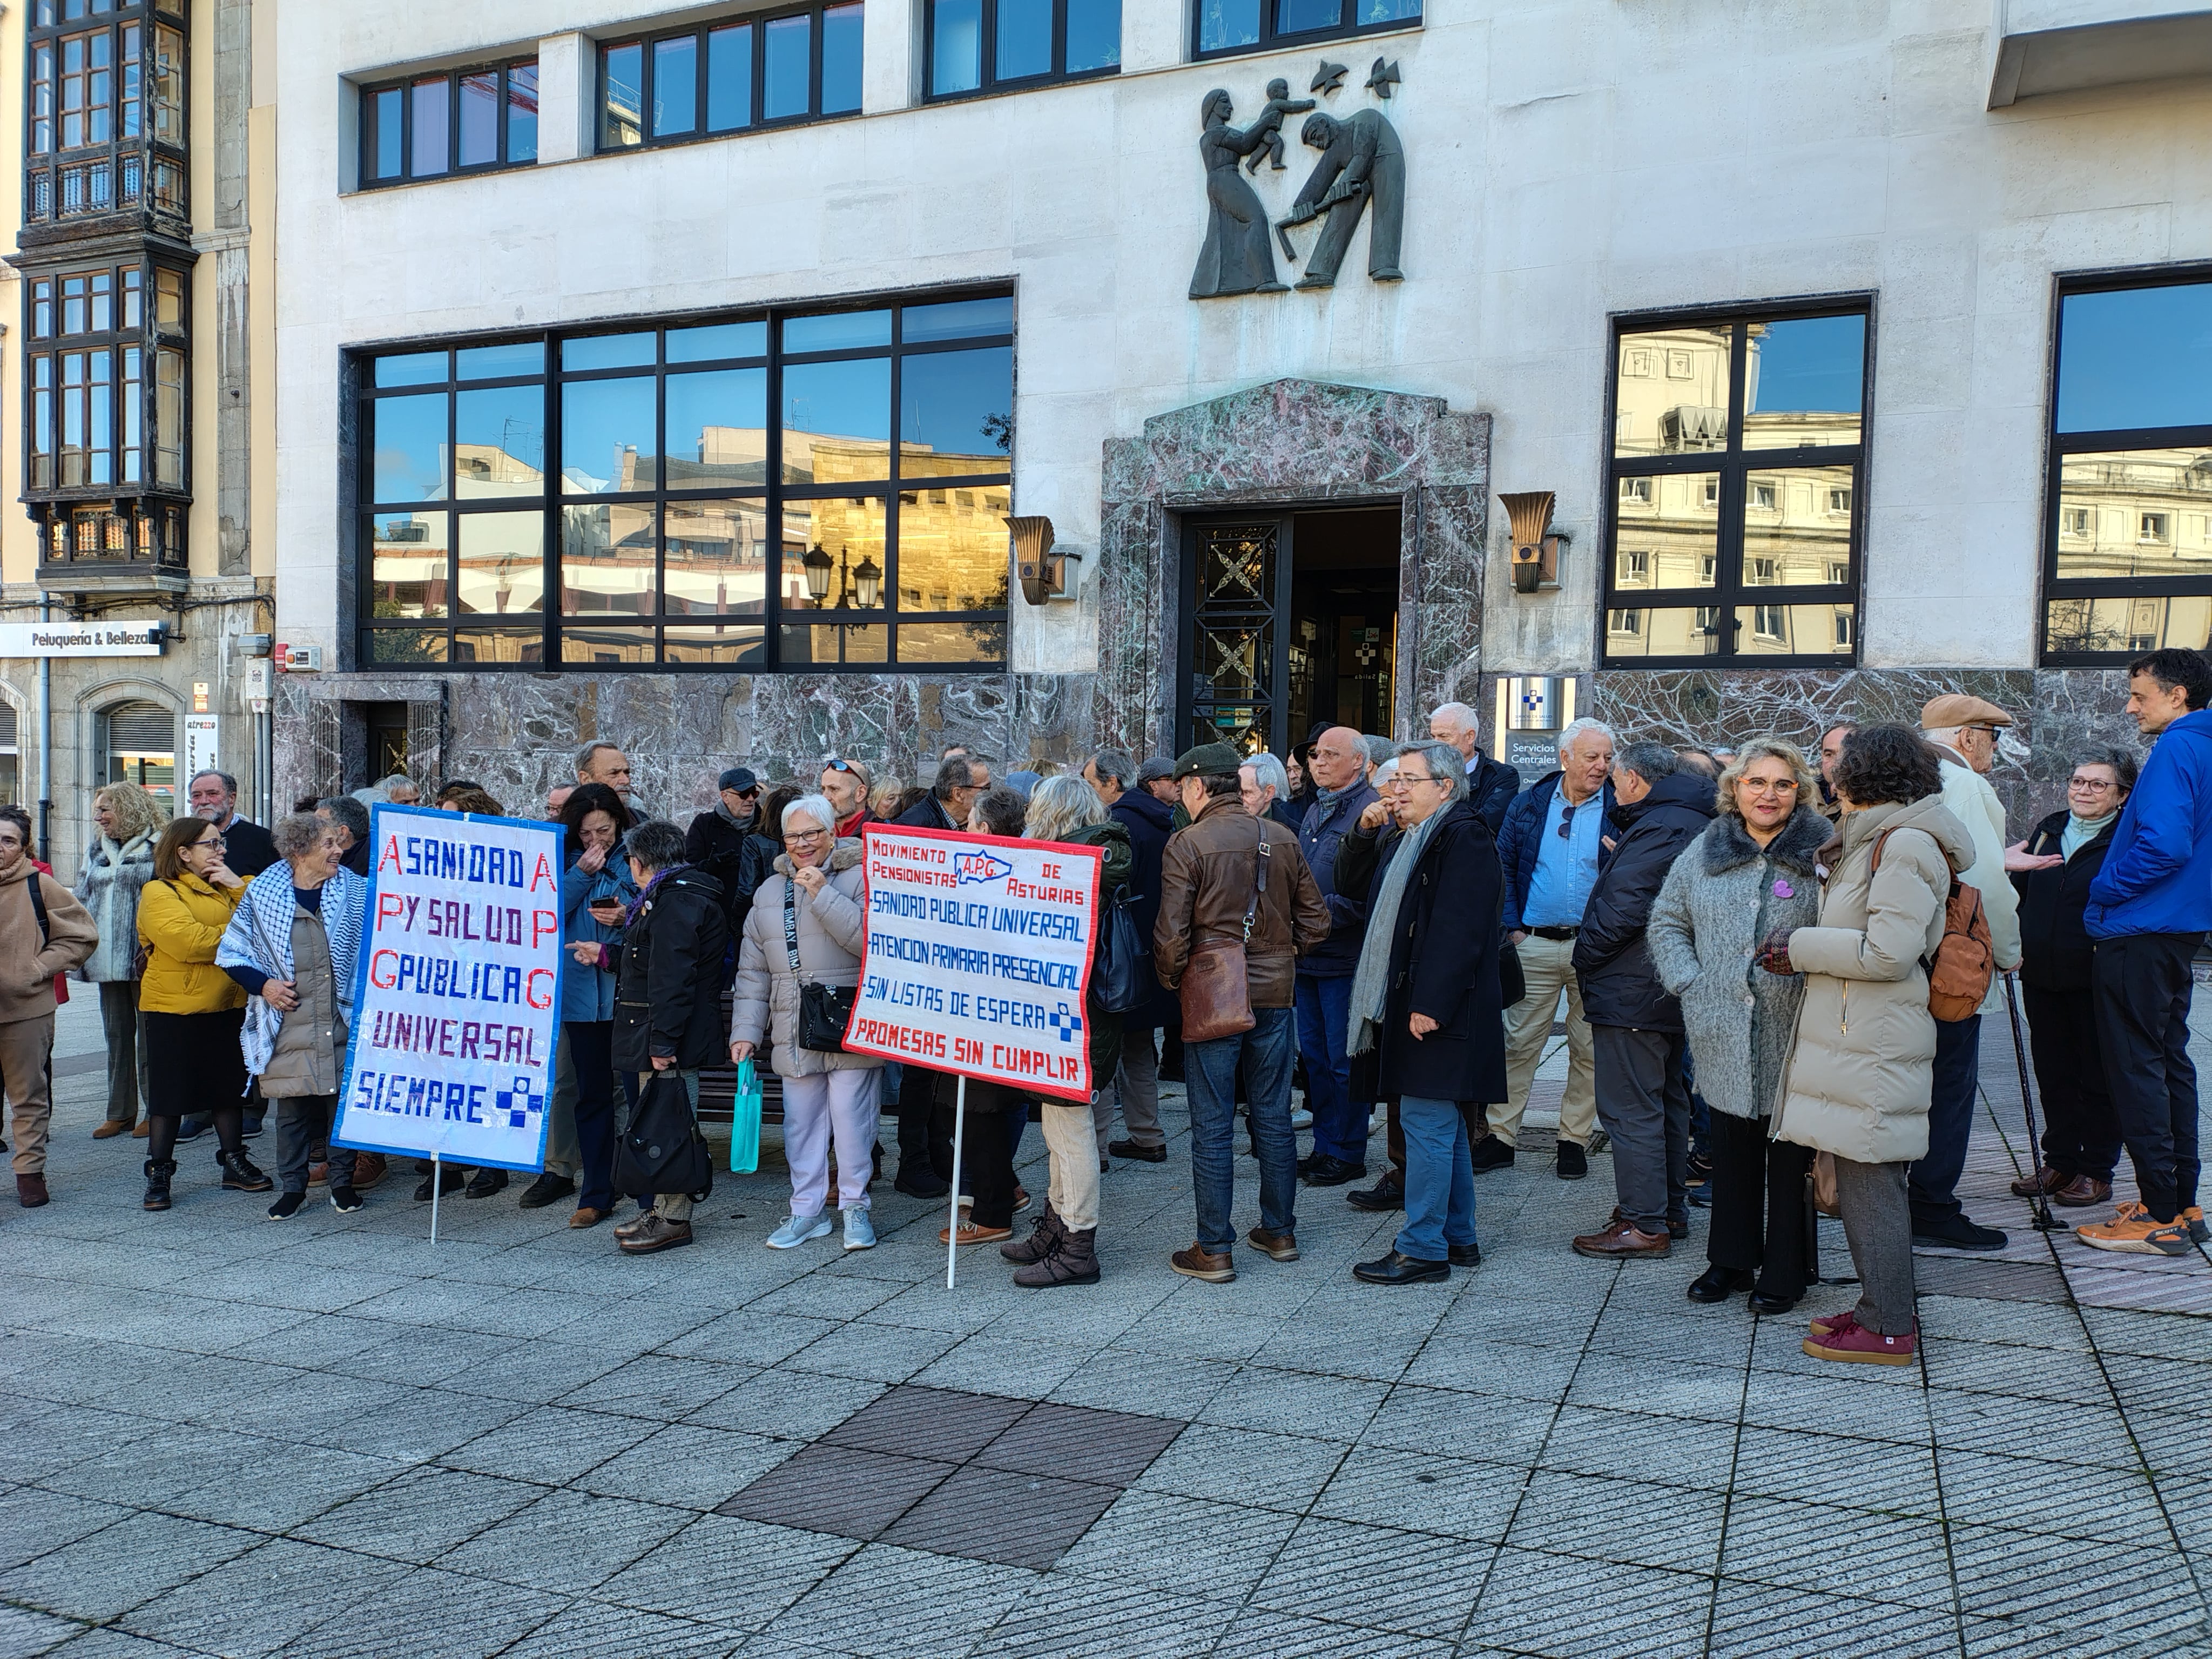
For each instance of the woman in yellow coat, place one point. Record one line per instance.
(192, 1009)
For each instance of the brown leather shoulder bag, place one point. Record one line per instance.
(1216, 992)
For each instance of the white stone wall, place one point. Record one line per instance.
(1565, 161)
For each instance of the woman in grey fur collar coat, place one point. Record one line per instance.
(1750, 873)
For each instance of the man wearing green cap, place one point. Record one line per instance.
(1231, 879)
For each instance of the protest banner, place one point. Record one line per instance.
(457, 1004)
(976, 961)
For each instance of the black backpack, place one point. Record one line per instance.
(662, 1151)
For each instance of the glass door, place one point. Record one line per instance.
(1235, 640)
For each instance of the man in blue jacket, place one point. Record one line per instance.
(1337, 767)
(1549, 847)
(2148, 911)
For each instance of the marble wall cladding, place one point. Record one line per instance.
(1289, 441)
(2059, 712)
(518, 734)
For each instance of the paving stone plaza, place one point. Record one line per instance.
(330, 1437)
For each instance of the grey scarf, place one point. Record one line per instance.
(722, 812)
(1370, 980)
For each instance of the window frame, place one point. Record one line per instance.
(773, 496)
(989, 82)
(758, 120)
(1346, 28)
(2058, 446)
(366, 125)
(149, 336)
(1734, 600)
(119, 173)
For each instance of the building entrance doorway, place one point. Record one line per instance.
(1289, 620)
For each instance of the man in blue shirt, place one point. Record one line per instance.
(2149, 909)
(1550, 848)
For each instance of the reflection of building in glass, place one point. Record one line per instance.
(2132, 514)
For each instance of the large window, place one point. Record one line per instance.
(731, 76)
(106, 126)
(1221, 28)
(1733, 527)
(779, 490)
(471, 121)
(2128, 510)
(979, 44)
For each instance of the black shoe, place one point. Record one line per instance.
(919, 1181)
(1956, 1233)
(239, 1175)
(1322, 1170)
(450, 1180)
(286, 1207)
(486, 1182)
(1388, 1194)
(548, 1188)
(1761, 1302)
(158, 1173)
(193, 1127)
(1574, 1162)
(1464, 1255)
(1701, 1197)
(1491, 1153)
(252, 1127)
(344, 1199)
(1398, 1268)
(1142, 1153)
(1719, 1284)
(1678, 1230)
(1700, 1170)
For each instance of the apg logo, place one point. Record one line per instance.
(980, 866)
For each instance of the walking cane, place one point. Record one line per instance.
(2044, 1221)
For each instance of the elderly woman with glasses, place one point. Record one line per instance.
(2051, 871)
(1750, 873)
(807, 929)
(293, 944)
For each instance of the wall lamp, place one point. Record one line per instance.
(1043, 573)
(1535, 543)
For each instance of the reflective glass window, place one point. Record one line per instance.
(730, 78)
(787, 67)
(675, 86)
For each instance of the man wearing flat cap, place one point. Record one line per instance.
(1963, 732)
(1232, 879)
(730, 843)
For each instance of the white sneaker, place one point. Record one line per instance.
(859, 1231)
(1302, 1119)
(797, 1228)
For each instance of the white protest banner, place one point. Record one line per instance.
(457, 1007)
(978, 957)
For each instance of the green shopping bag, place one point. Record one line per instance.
(746, 1121)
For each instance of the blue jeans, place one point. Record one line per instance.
(1209, 1074)
(1934, 1182)
(1439, 1178)
(1340, 1123)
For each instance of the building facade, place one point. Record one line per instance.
(136, 582)
(772, 382)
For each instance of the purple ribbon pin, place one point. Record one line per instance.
(1784, 890)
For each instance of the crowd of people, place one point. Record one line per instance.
(1774, 970)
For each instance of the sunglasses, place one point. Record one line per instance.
(840, 766)
(1567, 823)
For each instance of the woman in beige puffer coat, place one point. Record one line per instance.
(826, 1092)
(1858, 1081)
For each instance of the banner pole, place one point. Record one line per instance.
(437, 1189)
(959, 1127)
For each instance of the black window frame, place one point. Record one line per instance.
(896, 491)
(989, 82)
(122, 175)
(366, 126)
(1729, 594)
(1271, 40)
(2056, 589)
(758, 119)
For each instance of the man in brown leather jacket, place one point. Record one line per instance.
(1215, 888)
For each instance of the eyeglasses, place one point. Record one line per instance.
(1415, 777)
(795, 837)
(2094, 786)
(1765, 787)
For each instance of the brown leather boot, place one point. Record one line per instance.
(2044, 1180)
(1044, 1238)
(1622, 1238)
(2082, 1192)
(30, 1190)
(368, 1169)
(1198, 1262)
(658, 1233)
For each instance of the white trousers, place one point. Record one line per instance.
(840, 1103)
(1069, 1139)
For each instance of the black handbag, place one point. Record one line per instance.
(1122, 977)
(824, 1010)
(662, 1150)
